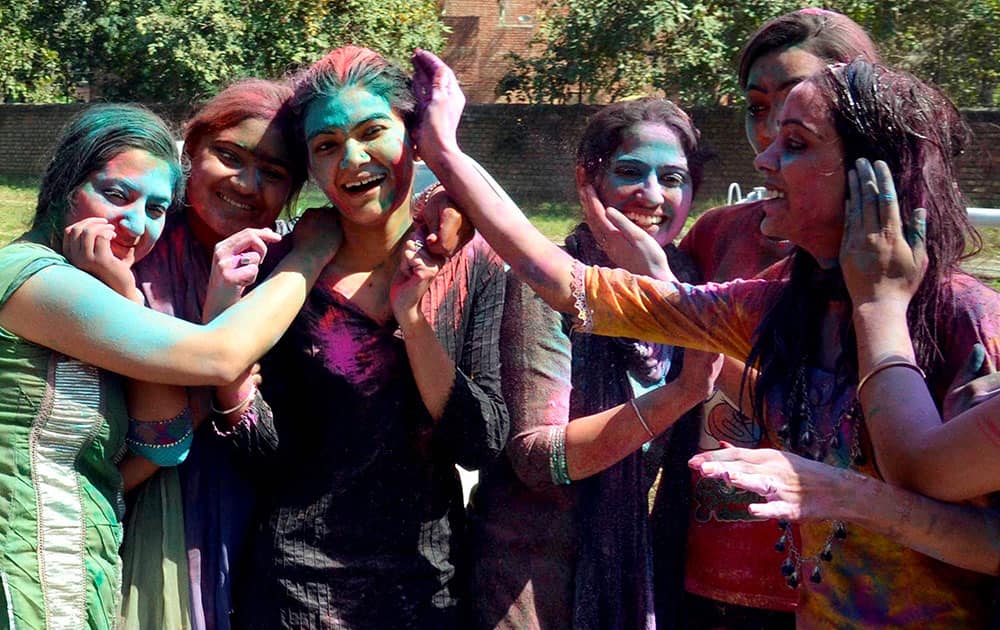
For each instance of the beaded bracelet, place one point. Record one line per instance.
(163, 442)
(884, 366)
(557, 456)
(239, 405)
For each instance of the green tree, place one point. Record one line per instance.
(178, 50)
(686, 49)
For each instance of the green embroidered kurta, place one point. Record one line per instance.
(62, 426)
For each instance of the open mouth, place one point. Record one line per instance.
(771, 193)
(366, 183)
(645, 221)
(234, 203)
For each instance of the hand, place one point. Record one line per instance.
(318, 231)
(440, 102)
(975, 383)
(699, 372)
(417, 267)
(235, 264)
(626, 244)
(883, 261)
(447, 229)
(795, 488)
(87, 246)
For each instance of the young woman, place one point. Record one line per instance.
(105, 196)
(884, 262)
(187, 524)
(709, 552)
(387, 379)
(560, 523)
(807, 371)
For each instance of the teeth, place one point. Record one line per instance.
(364, 181)
(644, 220)
(233, 202)
(773, 194)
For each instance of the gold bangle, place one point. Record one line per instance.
(639, 417)
(884, 366)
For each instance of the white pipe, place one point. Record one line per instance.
(984, 217)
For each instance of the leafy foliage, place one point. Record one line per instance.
(171, 50)
(686, 49)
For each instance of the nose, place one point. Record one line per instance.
(133, 220)
(767, 132)
(354, 153)
(651, 192)
(766, 160)
(247, 180)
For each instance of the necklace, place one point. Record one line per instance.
(813, 443)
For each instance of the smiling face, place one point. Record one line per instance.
(132, 191)
(770, 79)
(239, 178)
(360, 154)
(647, 179)
(804, 169)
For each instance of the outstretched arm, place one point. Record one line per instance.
(532, 256)
(65, 309)
(796, 488)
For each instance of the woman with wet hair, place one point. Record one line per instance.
(64, 329)
(186, 525)
(560, 523)
(706, 571)
(797, 330)
(388, 378)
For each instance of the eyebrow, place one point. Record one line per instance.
(363, 121)
(628, 158)
(133, 187)
(796, 121)
(751, 87)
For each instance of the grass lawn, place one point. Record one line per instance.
(555, 220)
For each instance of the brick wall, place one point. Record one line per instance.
(483, 32)
(28, 133)
(529, 149)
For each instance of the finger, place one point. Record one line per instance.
(774, 510)
(594, 210)
(633, 232)
(869, 197)
(853, 211)
(750, 482)
(888, 204)
(916, 235)
(245, 259)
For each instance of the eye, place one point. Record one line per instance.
(373, 131)
(156, 211)
(628, 172)
(274, 175)
(227, 157)
(115, 195)
(673, 180)
(794, 144)
(324, 145)
(755, 109)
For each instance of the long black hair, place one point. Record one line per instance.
(880, 114)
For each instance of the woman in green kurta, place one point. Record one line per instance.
(63, 334)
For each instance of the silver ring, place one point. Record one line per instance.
(887, 196)
(243, 261)
(419, 243)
